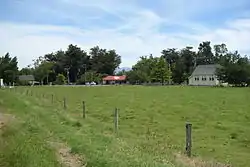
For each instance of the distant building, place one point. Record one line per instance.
(114, 79)
(27, 79)
(204, 75)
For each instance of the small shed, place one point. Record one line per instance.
(114, 79)
(27, 79)
(204, 75)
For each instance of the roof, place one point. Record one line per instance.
(205, 69)
(26, 78)
(114, 78)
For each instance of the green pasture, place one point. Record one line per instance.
(151, 125)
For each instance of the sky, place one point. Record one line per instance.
(134, 28)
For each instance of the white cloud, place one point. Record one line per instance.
(235, 35)
(30, 41)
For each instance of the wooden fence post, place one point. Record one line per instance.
(64, 103)
(188, 139)
(83, 110)
(116, 118)
(52, 98)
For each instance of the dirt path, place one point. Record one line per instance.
(66, 157)
(63, 153)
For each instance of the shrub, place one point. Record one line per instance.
(60, 79)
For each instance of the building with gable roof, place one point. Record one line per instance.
(204, 75)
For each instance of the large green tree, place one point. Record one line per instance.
(142, 71)
(42, 71)
(150, 69)
(188, 58)
(220, 51)
(235, 69)
(104, 61)
(161, 71)
(58, 66)
(205, 54)
(181, 63)
(90, 76)
(73, 61)
(137, 77)
(26, 71)
(171, 56)
(8, 68)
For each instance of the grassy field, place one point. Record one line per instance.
(151, 126)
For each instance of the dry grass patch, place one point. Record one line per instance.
(66, 157)
(196, 162)
(5, 119)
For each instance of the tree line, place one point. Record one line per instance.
(173, 66)
(74, 65)
(176, 65)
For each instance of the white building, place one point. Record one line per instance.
(204, 75)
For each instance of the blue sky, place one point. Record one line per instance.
(29, 29)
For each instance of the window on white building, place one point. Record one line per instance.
(211, 78)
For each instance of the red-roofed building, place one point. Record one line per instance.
(114, 79)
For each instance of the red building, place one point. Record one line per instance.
(114, 79)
